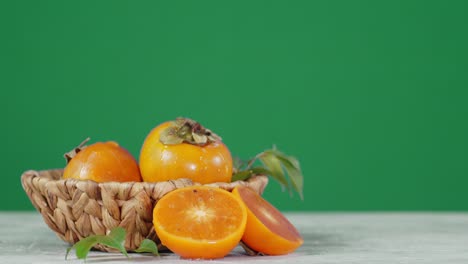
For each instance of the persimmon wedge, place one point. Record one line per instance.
(200, 222)
(267, 230)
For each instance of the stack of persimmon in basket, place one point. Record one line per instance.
(199, 221)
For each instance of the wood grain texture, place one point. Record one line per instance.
(329, 238)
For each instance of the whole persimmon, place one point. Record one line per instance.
(103, 162)
(184, 149)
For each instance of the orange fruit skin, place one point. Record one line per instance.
(103, 162)
(179, 226)
(267, 230)
(203, 164)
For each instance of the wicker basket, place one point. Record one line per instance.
(75, 209)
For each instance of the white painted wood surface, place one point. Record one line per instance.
(329, 238)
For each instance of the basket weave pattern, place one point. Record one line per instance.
(75, 209)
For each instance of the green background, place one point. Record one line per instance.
(371, 96)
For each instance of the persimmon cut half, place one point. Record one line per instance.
(267, 230)
(200, 222)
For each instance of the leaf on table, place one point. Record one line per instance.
(148, 246)
(117, 234)
(115, 239)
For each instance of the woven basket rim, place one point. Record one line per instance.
(39, 174)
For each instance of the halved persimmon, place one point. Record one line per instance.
(200, 222)
(267, 230)
(103, 162)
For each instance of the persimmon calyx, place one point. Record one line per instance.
(72, 153)
(186, 130)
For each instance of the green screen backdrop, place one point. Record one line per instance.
(371, 96)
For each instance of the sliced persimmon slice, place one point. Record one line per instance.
(200, 222)
(267, 231)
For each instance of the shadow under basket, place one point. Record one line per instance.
(75, 209)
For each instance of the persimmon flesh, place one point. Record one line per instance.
(200, 222)
(267, 231)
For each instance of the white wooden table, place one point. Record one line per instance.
(329, 238)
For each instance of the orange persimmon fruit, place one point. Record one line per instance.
(200, 222)
(103, 162)
(267, 230)
(184, 149)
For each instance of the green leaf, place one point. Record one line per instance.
(83, 247)
(272, 164)
(260, 171)
(293, 169)
(246, 174)
(110, 242)
(115, 239)
(241, 175)
(68, 252)
(281, 167)
(148, 246)
(118, 234)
